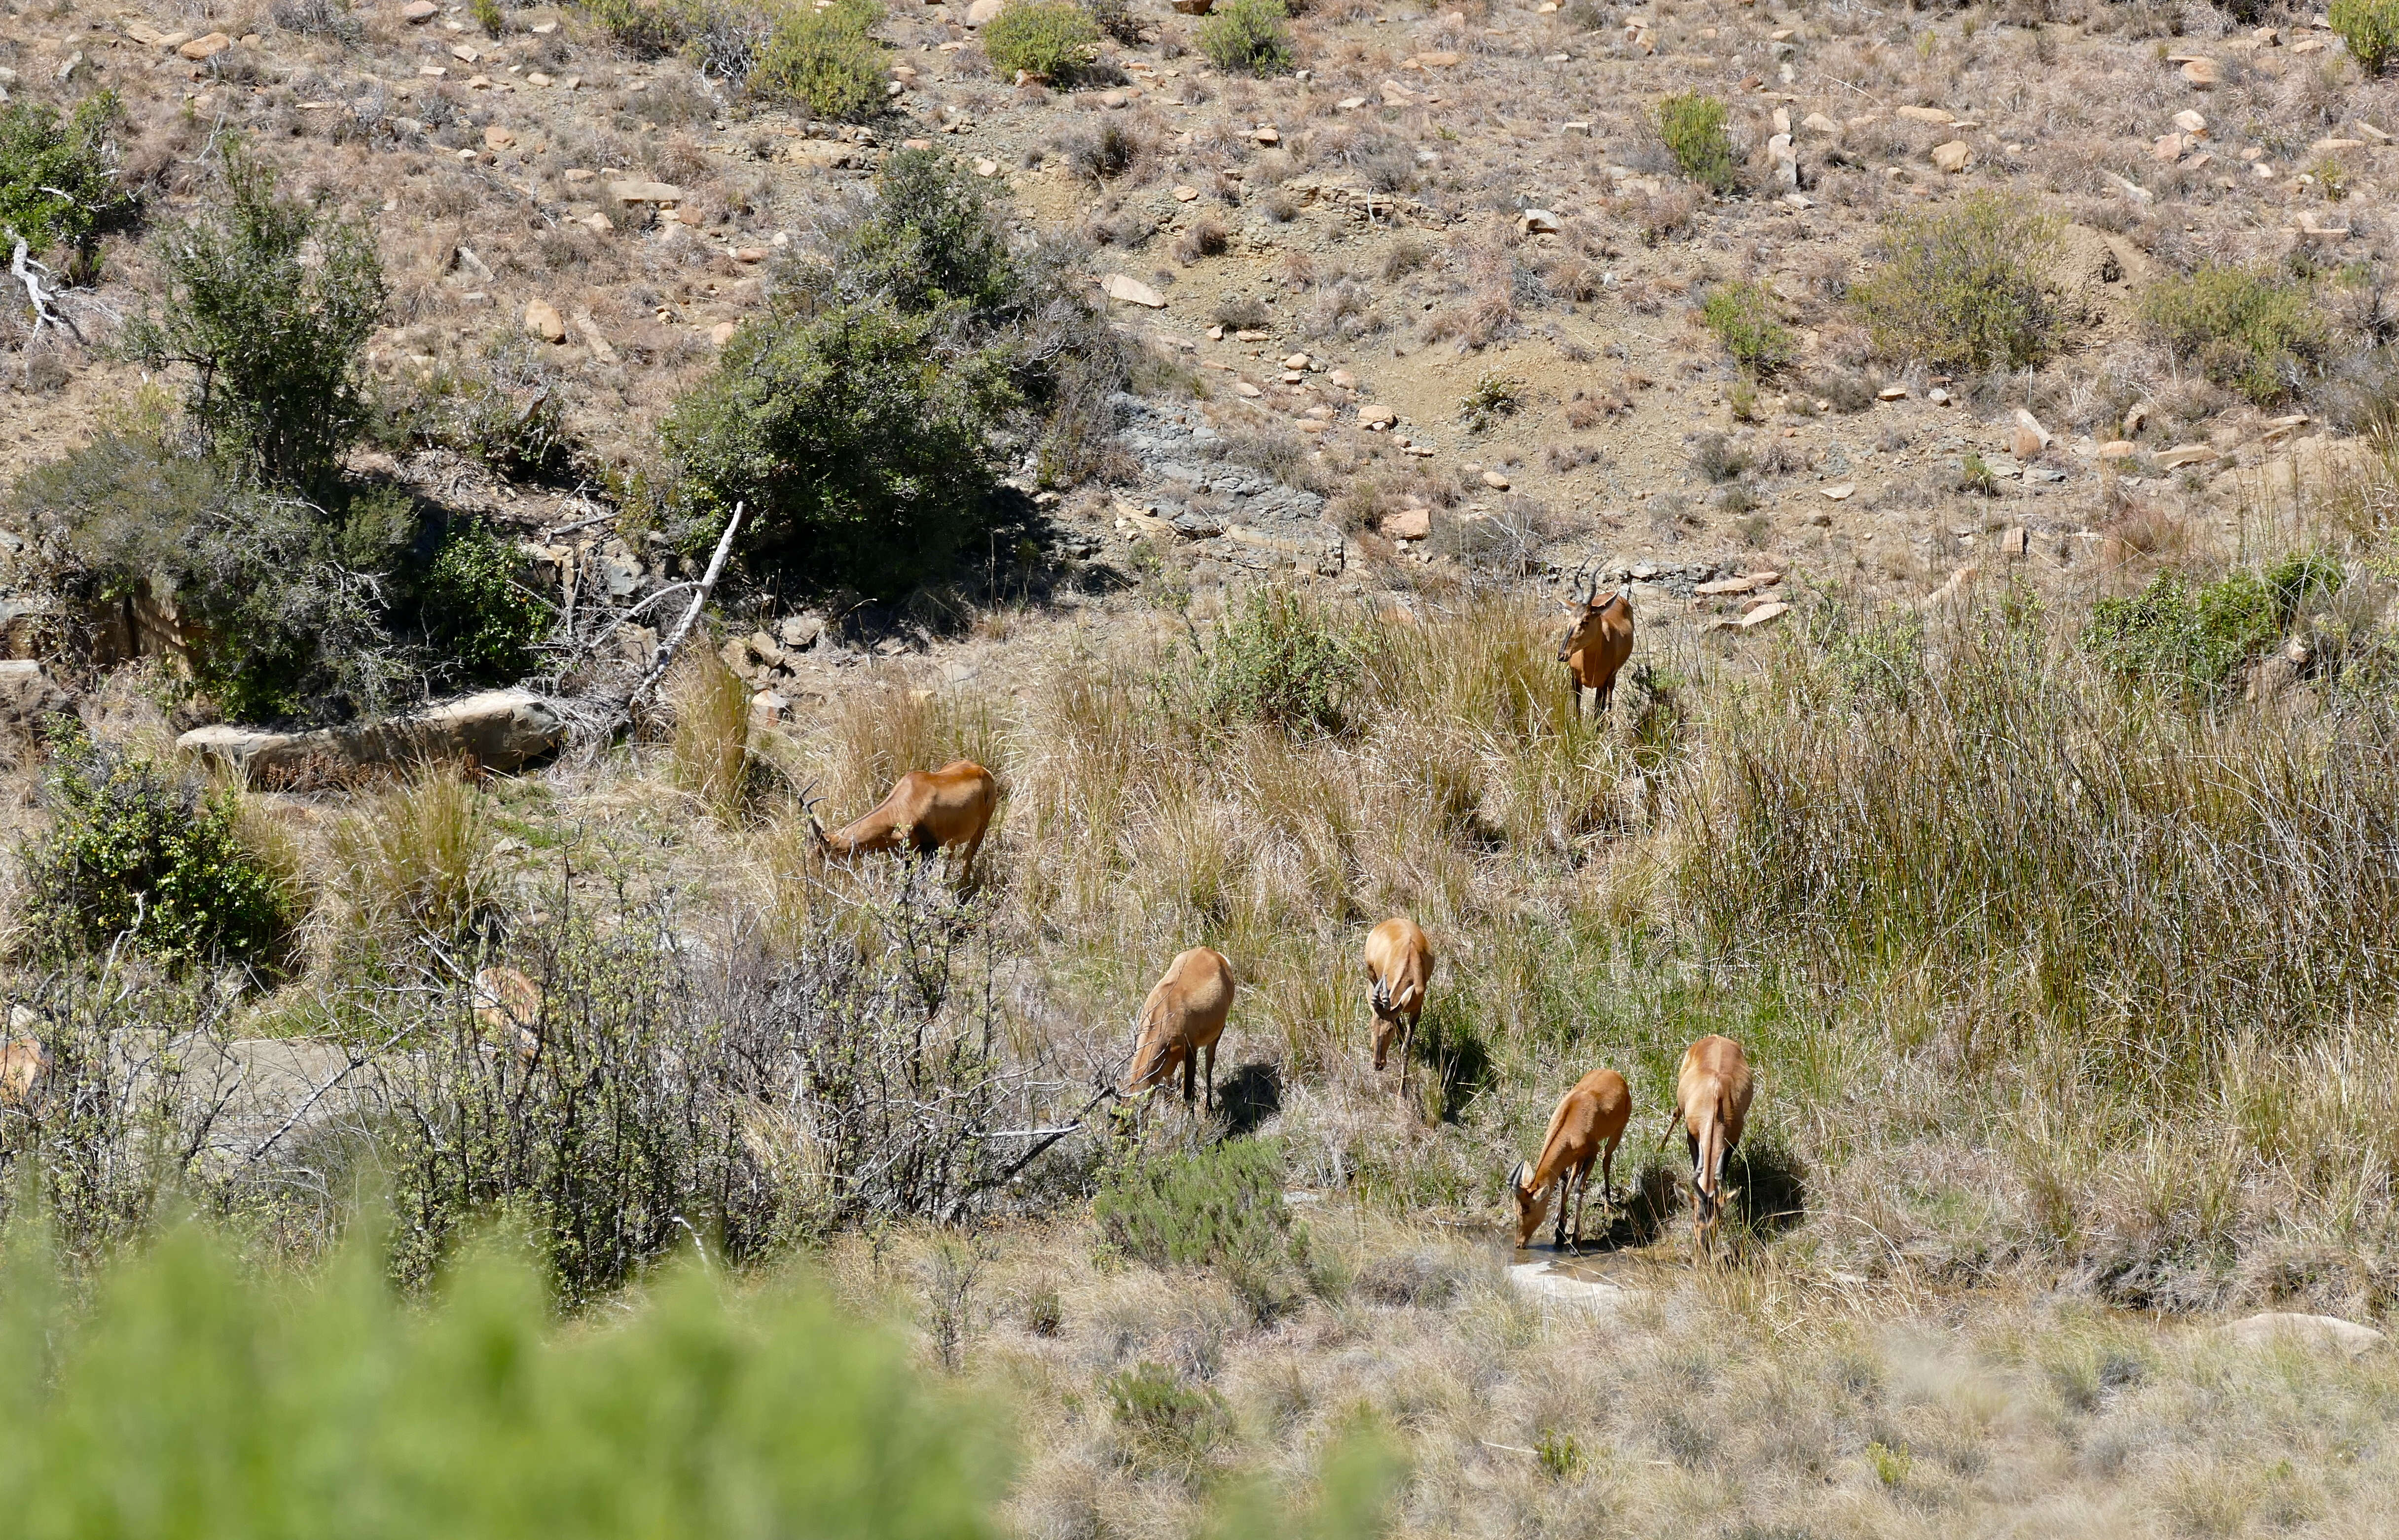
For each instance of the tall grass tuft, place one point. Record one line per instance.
(708, 755)
(420, 860)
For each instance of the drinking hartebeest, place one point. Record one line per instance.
(1712, 1092)
(1587, 1125)
(928, 810)
(1182, 1016)
(1597, 643)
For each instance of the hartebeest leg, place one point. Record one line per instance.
(1211, 1076)
(1582, 1191)
(1190, 1077)
(1607, 1178)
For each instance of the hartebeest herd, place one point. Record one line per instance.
(1182, 1016)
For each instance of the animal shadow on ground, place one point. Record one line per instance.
(1455, 1063)
(1643, 1203)
(1249, 1096)
(1773, 1181)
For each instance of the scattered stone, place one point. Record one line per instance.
(1952, 158)
(1408, 524)
(1840, 494)
(1579, 128)
(1538, 221)
(1817, 123)
(1564, 1290)
(1116, 286)
(2027, 423)
(1186, 195)
(497, 729)
(542, 319)
(1342, 379)
(2166, 149)
(1496, 482)
(1243, 388)
(1349, 103)
(645, 192)
(2335, 146)
(2324, 1333)
(27, 700)
(1927, 115)
(1298, 360)
(2119, 449)
(578, 175)
(497, 138)
(986, 168)
(2015, 541)
(202, 49)
(2190, 122)
(1439, 60)
(983, 12)
(1396, 95)
(1765, 615)
(2187, 454)
(1266, 134)
(722, 332)
(418, 11)
(2203, 72)
(1891, 393)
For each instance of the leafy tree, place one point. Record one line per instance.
(58, 178)
(269, 300)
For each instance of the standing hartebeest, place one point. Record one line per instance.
(1597, 643)
(1712, 1092)
(1398, 965)
(1182, 1016)
(928, 810)
(1587, 1125)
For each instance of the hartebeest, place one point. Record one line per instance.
(1597, 643)
(1587, 1125)
(1398, 965)
(928, 810)
(1712, 1093)
(22, 1065)
(1182, 1016)
(508, 1004)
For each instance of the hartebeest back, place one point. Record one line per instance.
(1712, 1092)
(1587, 1125)
(22, 1065)
(928, 810)
(1597, 643)
(1399, 966)
(1183, 1017)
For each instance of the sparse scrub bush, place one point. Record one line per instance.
(1116, 19)
(2371, 30)
(1742, 317)
(1967, 286)
(1281, 661)
(504, 410)
(268, 301)
(1691, 126)
(58, 177)
(824, 58)
(1249, 37)
(2247, 331)
(646, 29)
(1173, 1423)
(2196, 636)
(136, 851)
(1052, 40)
(488, 16)
(1220, 1207)
(1495, 395)
(1107, 153)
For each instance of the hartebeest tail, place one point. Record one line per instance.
(928, 810)
(1712, 1092)
(1399, 966)
(1597, 643)
(1587, 1125)
(1183, 1017)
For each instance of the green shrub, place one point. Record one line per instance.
(2370, 28)
(58, 181)
(1742, 315)
(1221, 1207)
(2247, 331)
(268, 301)
(1051, 40)
(825, 58)
(2174, 632)
(1249, 37)
(1969, 286)
(279, 598)
(1116, 19)
(1280, 659)
(480, 619)
(857, 444)
(1172, 1423)
(202, 1395)
(1692, 124)
(1495, 396)
(934, 239)
(646, 29)
(134, 849)
(488, 16)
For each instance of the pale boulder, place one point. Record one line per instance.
(542, 319)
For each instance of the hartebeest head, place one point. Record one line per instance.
(1589, 606)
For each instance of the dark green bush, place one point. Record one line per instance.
(201, 1395)
(1280, 659)
(1116, 19)
(2192, 636)
(933, 240)
(1221, 1207)
(480, 620)
(2250, 331)
(1742, 315)
(646, 29)
(1692, 124)
(58, 183)
(825, 58)
(2370, 28)
(1052, 40)
(135, 850)
(1249, 37)
(268, 301)
(1968, 286)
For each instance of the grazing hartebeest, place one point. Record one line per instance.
(1712, 1093)
(928, 810)
(1398, 965)
(22, 1065)
(1183, 1015)
(1597, 643)
(508, 1005)
(1587, 1125)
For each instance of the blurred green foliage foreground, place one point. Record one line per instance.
(189, 1396)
